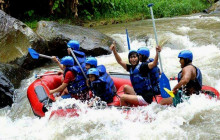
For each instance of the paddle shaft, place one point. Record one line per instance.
(78, 63)
(155, 33)
(45, 56)
(128, 41)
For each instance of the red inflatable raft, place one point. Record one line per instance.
(38, 93)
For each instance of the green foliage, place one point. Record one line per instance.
(32, 24)
(87, 14)
(57, 5)
(120, 10)
(97, 9)
(30, 13)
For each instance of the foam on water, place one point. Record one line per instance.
(184, 29)
(152, 122)
(204, 18)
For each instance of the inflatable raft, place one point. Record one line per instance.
(38, 91)
(39, 98)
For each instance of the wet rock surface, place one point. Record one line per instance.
(57, 35)
(215, 8)
(14, 73)
(6, 91)
(15, 38)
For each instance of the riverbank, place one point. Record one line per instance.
(32, 23)
(122, 11)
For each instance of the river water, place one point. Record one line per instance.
(199, 118)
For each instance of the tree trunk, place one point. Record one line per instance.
(51, 3)
(4, 6)
(71, 7)
(75, 9)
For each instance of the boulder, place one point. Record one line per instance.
(10, 78)
(57, 35)
(15, 38)
(50, 39)
(6, 91)
(215, 8)
(14, 73)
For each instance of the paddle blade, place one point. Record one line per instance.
(169, 92)
(33, 53)
(164, 83)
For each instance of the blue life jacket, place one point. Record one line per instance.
(154, 77)
(109, 90)
(140, 84)
(78, 85)
(81, 57)
(196, 84)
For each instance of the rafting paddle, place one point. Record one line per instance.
(128, 41)
(74, 56)
(36, 55)
(169, 92)
(164, 81)
(48, 74)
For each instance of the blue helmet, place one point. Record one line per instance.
(132, 52)
(91, 61)
(73, 44)
(93, 71)
(186, 54)
(67, 61)
(144, 51)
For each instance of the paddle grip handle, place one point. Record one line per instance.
(150, 5)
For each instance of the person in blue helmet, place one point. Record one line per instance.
(74, 81)
(74, 46)
(99, 86)
(66, 62)
(141, 92)
(91, 62)
(144, 54)
(189, 80)
(80, 56)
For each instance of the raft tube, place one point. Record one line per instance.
(39, 98)
(38, 93)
